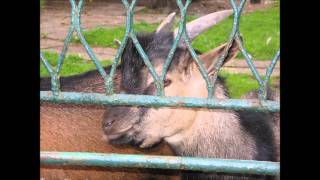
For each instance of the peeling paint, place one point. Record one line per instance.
(160, 162)
(156, 101)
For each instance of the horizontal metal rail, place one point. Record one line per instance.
(160, 162)
(157, 101)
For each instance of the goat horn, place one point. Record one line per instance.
(167, 24)
(117, 42)
(202, 24)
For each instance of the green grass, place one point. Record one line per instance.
(260, 31)
(237, 84)
(256, 28)
(240, 84)
(73, 64)
(42, 3)
(104, 37)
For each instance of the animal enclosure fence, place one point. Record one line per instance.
(160, 100)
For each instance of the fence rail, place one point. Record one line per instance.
(142, 161)
(160, 162)
(156, 101)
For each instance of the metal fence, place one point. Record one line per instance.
(110, 98)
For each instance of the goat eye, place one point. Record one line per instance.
(109, 123)
(166, 82)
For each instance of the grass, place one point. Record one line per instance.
(42, 3)
(73, 64)
(260, 31)
(104, 37)
(240, 84)
(237, 84)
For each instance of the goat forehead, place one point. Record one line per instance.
(155, 49)
(135, 73)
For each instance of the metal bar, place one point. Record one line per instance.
(185, 37)
(182, 28)
(55, 83)
(249, 61)
(156, 101)
(109, 83)
(235, 28)
(78, 28)
(268, 75)
(46, 64)
(271, 66)
(160, 162)
(67, 39)
(175, 43)
(126, 4)
(157, 81)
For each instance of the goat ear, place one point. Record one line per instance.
(210, 59)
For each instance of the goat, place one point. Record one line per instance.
(65, 127)
(193, 132)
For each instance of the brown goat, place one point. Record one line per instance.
(67, 127)
(189, 132)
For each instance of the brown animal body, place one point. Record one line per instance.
(67, 127)
(273, 117)
(189, 132)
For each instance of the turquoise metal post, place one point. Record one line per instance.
(158, 101)
(109, 82)
(46, 64)
(236, 17)
(201, 68)
(160, 162)
(69, 35)
(78, 29)
(55, 73)
(249, 61)
(263, 89)
(176, 41)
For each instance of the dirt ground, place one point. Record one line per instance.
(55, 19)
